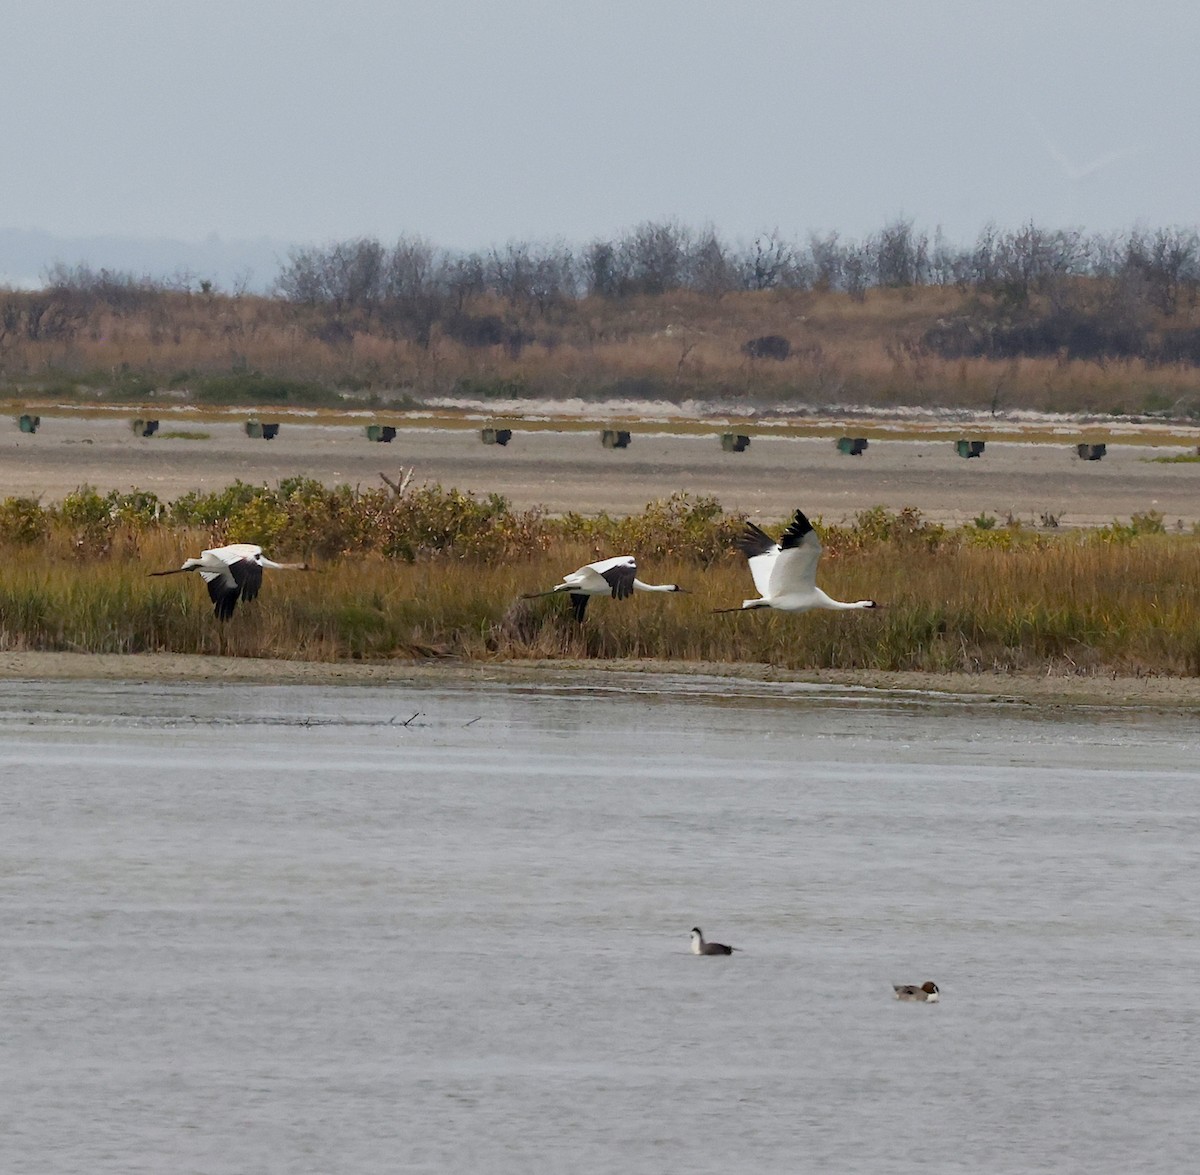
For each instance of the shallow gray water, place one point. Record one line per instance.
(255, 929)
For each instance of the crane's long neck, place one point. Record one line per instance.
(824, 601)
(638, 586)
(265, 562)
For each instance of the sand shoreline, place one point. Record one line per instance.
(1146, 693)
(1039, 483)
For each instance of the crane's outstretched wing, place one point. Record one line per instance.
(248, 576)
(240, 579)
(232, 552)
(605, 577)
(761, 550)
(223, 592)
(620, 577)
(795, 568)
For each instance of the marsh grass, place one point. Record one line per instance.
(1120, 600)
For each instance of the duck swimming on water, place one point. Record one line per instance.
(700, 947)
(927, 993)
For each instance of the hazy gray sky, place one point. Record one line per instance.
(473, 122)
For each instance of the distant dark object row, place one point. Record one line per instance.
(610, 438)
(738, 443)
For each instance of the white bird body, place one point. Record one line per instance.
(232, 573)
(616, 577)
(785, 572)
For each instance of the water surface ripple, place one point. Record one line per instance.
(310, 929)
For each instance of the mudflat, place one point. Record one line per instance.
(1024, 690)
(571, 471)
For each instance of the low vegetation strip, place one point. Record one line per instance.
(431, 572)
(1031, 319)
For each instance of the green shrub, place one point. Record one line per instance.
(85, 509)
(138, 509)
(1151, 522)
(261, 520)
(683, 527)
(195, 509)
(22, 521)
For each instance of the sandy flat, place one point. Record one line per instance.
(571, 471)
(1023, 690)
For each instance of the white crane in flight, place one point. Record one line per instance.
(785, 572)
(615, 577)
(232, 573)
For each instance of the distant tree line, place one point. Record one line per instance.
(1031, 291)
(1031, 296)
(663, 257)
(72, 293)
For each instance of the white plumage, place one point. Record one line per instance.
(785, 572)
(616, 577)
(232, 573)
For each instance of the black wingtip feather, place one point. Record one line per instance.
(620, 579)
(795, 533)
(248, 576)
(752, 541)
(579, 603)
(224, 599)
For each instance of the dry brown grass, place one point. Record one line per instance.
(1113, 602)
(679, 345)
